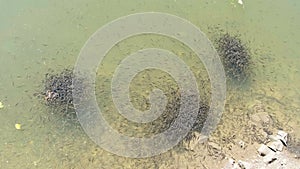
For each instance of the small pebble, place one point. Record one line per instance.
(231, 161)
(244, 165)
(242, 144)
(1, 105)
(283, 162)
(18, 126)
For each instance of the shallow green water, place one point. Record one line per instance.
(40, 35)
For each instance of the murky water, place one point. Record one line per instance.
(40, 35)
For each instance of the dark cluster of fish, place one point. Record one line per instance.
(57, 93)
(58, 88)
(235, 56)
(173, 109)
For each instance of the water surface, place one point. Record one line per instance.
(37, 36)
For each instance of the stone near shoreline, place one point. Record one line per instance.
(271, 156)
(275, 145)
(264, 150)
(244, 165)
(282, 136)
(271, 151)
